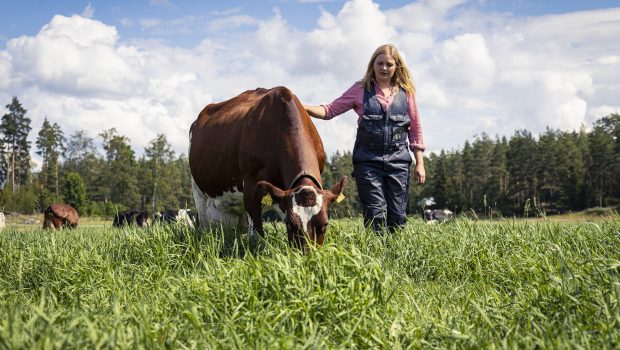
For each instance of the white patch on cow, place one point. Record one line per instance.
(184, 218)
(306, 213)
(251, 231)
(224, 210)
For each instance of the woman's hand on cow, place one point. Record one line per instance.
(315, 111)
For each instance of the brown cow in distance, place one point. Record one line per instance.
(260, 143)
(60, 216)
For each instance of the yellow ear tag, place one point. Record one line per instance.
(339, 198)
(266, 201)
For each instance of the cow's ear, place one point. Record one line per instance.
(336, 190)
(264, 188)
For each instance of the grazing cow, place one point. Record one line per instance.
(131, 217)
(260, 144)
(60, 216)
(181, 216)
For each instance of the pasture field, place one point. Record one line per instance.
(463, 284)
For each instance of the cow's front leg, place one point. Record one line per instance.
(253, 210)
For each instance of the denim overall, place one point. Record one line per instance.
(381, 161)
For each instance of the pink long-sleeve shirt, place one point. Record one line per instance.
(353, 98)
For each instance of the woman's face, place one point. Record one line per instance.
(384, 65)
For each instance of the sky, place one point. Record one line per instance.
(149, 67)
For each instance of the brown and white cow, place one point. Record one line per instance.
(60, 216)
(261, 142)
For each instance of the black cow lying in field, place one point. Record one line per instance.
(131, 217)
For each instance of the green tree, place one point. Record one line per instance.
(521, 157)
(81, 157)
(480, 174)
(498, 188)
(118, 179)
(161, 180)
(466, 181)
(548, 169)
(50, 145)
(603, 168)
(74, 191)
(438, 184)
(571, 171)
(337, 166)
(184, 190)
(15, 127)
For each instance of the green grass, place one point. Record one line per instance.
(463, 284)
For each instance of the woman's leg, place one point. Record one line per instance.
(370, 188)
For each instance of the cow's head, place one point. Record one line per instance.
(305, 208)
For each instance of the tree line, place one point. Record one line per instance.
(73, 171)
(557, 172)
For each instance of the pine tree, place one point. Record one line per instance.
(468, 173)
(521, 157)
(603, 169)
(482, 151)
(498, 189)
(15, 127)
(438, 184)
(548, 170)
(50, 146)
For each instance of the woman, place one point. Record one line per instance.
(388, 127)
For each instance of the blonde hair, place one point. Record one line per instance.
(401, 78)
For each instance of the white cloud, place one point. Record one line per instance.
(424, 16)
(600, 112)
(147, 23)
(465, 60)
(5, 70)
(89, 11)
(226, 12)
(72, 55)
(126, 22)
(231, 22)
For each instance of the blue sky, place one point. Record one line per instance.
(26, 17)
(149, 67)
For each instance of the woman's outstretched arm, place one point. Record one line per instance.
(315, 111)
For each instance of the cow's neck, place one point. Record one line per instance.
(304, 177)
